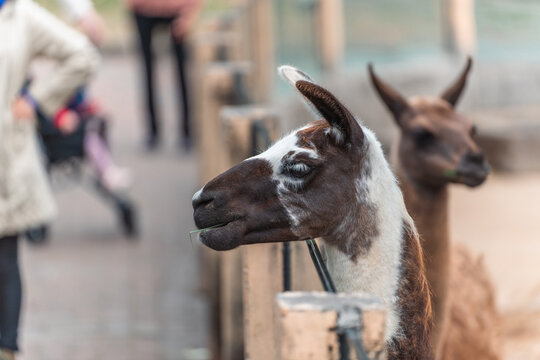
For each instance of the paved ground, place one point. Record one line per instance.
(92, 294)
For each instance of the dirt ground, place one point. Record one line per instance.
(501, 220)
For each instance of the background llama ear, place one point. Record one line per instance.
(324, 104)
(453, 93)
(393, 100)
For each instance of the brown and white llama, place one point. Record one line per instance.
(329, 179)
(436, 147)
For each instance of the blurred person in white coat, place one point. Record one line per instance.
(26, 201)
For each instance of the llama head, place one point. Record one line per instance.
(301, 187)
(437, 143)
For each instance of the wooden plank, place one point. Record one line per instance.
(307, 323)
(262, 265)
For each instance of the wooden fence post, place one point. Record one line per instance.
(237, 124)
(307, 324)
(222, 84)
(262, 281)
(216, 46)
(262, 48)
(303, 273)
(261, 264)
(459, 26)
(331, 33)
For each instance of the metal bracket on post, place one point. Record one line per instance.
(310, 323)
(328, 285)
(350, 324)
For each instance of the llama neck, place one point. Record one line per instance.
(428, 206)
(392, 270)
(388, 264)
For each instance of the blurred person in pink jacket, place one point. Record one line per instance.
(180, 16)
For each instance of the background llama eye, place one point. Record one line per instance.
(474, 131)
(298, 170)
(423, 137)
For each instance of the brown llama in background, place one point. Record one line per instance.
(436, 147)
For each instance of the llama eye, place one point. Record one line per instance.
(423, 137)
(298, 170)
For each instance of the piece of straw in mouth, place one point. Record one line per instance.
(452, 174)
(197, 232)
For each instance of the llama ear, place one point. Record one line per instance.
(396, 103)
(324, 104)
(292, 74)
(453, 93)
(345, 129)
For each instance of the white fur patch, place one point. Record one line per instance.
(336, 134)
(377, 272)
(275, 154)
(292, 74)
(197, 195)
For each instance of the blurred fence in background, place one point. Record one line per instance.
(381, 31)
(508, 30)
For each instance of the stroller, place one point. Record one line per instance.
(65, 153)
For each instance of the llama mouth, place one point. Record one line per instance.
(223, 237)
(473, 178)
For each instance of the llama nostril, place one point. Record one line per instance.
(201, 198)
(475, 157)
(201, 201)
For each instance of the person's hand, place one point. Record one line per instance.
(68, 122)
(93, 26)
(22, 109)
(185, 22)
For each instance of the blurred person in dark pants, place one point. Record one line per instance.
(179, 15)
(26, 200)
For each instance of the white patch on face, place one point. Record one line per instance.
(377, 272)
(197, 195)
(274, 155)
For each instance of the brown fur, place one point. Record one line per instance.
(463, 297)
(414, 303)
(471, 292)
(428, 208)
(356, 238)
